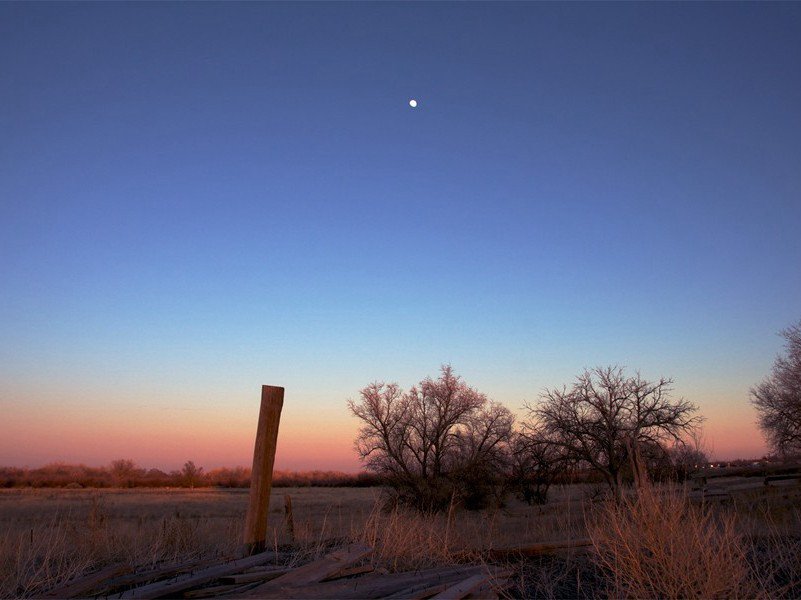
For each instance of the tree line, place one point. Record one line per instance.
(443, 442)
(125, 473)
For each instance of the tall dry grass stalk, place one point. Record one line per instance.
(404, 539)
(36, 560)
(660, 545)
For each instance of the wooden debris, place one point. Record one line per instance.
(135, 579)
(419, 592)
(414, 584)
(527, 550)
(164, 588)
(264, 575)
(318, 570)
(484, 592)
(333, 577)
(215, 591)
(85, 584)
(461, 589)
(350, 572)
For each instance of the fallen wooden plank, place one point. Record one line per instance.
(86, 583)
(527, 550)
(460, 589)
(373, 585)
(318, 570)
(265, 575)
(350, 572)
(124, 582)
(418, 592)
(490, 589)
(174, 586)
(483, 592)
(215, 591)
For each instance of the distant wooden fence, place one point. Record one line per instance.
(725, 484)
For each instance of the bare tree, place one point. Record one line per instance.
(778, 398)
(537, 463)
(191, 474)
(420, 441)
(483, 460)
(123, 471)
(605, 418)
(686, 459)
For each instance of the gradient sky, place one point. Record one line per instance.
(200, 198)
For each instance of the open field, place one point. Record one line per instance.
(50, 536)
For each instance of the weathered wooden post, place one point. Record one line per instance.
(261, 476)
(290, 518)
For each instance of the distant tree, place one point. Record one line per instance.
(190, 474)
(427, 442)
(123, 471)
(608, 420)
(688, 457)
(232, 477)
(778, 398)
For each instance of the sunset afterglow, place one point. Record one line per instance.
(200, 198)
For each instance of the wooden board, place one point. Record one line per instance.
(85, 584)
(164, 588)
(318, 570)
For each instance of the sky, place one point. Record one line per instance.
(200, 198)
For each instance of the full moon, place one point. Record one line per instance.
(413, 103)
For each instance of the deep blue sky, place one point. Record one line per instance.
(198, 198)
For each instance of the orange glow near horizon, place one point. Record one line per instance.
(42, 434)
(315, 433)
(302, 446)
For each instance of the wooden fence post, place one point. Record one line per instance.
(261, 476)
(290, 518)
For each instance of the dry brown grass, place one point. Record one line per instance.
(657, 545)
(49, 536)
(47, 539)
(660, 544)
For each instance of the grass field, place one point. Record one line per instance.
(49, 536)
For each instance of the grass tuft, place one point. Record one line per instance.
(660, 545)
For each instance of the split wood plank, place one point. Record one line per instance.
(318, 570)
(350, 572)
(86, 583)
(215, 592)
(484, 592)
(418, 592)
(164, 588)
(462, 588)
(265, 575)
(528, 550)
(114, 584)
(374, 585)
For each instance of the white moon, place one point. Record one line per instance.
(413, 103)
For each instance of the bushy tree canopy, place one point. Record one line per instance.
(607, 419)
(428, 439)
(778, 398)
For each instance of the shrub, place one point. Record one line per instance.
(662, 546)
